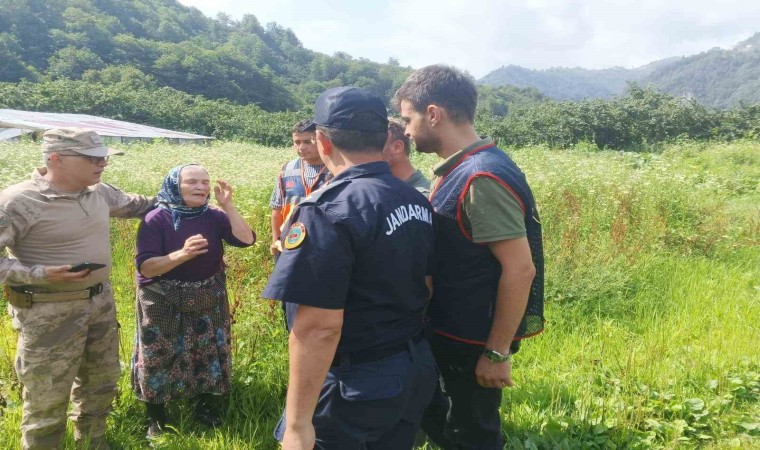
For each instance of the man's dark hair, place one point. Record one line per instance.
(299, 127)
(397, 129)
(355, 141)
(442, 86)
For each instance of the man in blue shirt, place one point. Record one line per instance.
(361, 373)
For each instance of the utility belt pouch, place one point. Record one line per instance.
(19, 299)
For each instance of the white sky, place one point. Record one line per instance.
(482, 35)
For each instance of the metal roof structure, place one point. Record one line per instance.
(10, 134)
(113, 130)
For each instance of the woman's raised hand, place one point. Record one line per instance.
(223, 193)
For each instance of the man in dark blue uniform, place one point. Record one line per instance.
(361, 250)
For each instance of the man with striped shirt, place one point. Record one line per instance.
(297, 179)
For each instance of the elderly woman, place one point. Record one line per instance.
(182, 344)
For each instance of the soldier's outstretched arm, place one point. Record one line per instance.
(123, 205)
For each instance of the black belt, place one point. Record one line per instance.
(376, 353)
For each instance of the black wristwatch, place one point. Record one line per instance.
(496, 357)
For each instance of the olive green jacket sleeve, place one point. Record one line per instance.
(492, 212)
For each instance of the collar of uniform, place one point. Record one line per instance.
(454, 159)
(359, 170)
(316, 167)
(47, 189)
(416, 176)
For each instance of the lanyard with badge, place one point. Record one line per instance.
(306, 186)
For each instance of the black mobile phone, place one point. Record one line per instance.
(86, 265)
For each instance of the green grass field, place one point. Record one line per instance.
(653, 300)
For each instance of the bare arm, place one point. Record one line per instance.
(312, 345)
(517, 272)
(276, 223)
(240, 229)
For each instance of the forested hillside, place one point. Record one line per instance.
(716, 78)
(562, 83)
(172, 45)
(157, 43)
(719, 78)
(160, 63)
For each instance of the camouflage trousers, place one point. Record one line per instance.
(66, 350)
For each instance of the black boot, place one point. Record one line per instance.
(206, 412)
(156, 420)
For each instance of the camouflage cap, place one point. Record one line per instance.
(78, 140)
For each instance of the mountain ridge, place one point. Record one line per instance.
(721, 78)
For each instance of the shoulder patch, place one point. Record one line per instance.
(315, 196)
(296, 235)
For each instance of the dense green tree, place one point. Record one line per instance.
(29, 21)
(13, 67)
(497, 101)
(138, 52)
(122, 75)
(642, 117)
(97, 28)
(72, 62)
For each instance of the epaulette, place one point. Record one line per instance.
(315, 196)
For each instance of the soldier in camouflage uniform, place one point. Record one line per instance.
(68, 343)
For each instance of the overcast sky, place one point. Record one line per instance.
(482, 35)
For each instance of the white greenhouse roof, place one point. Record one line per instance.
(7, 134)
(116, 129)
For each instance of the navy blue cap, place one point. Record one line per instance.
(350, 108)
